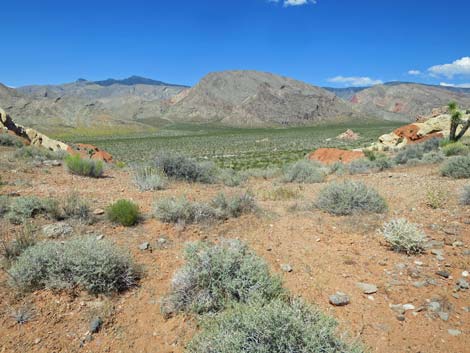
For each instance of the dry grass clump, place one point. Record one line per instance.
(148, 178)
(304, 171)
(403, 236)
(84, 166)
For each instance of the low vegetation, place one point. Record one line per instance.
(8, 140)
(148, 178)
(360, 166)
(415, 153)
(42, 154)
(457, 167)
(124, 212)
(350, 197)
(180, 167)
(304, 171)
(173, 210)
(275, 327)
(77, 208)
(214, 276)
(455, 149)
(279, 193)
(403, 236)
(230, 177)
(90, 264)
(25, 207)
(465, 196)
(10, 249)
(84, 166)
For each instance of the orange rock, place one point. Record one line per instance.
(102, 156)
(332, 155)
(410, 133)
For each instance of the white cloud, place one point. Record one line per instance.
(459, 85)
(458, 67)
(355, 81)
(295, 2)
(414, 72)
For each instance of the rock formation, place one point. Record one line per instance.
(333, 155)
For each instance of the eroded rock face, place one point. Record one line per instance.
(436, 125)
(37, 139)
(333, 155)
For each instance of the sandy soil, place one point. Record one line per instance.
(327, 254)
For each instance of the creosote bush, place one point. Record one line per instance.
(94, 265)
(350, 197)
(173, 210)
(403, 236)
(457, 167)
(148, 178)
(274, 327)
(214, 276)
(180, 167)
(465, 196)
(84, 166)
(304, 171)
(124, 212)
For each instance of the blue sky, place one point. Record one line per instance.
(323, 42)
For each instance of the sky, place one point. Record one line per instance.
(324, 42)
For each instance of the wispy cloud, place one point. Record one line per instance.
(355, 81)
(414, 72)
(458, 85)
(457, 68)
(287, 3)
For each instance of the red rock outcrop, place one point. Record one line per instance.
(332, 155)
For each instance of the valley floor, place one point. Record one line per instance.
(327, 254)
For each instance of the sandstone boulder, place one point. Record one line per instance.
(348, 135)
(332, 155)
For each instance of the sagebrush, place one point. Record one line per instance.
(304, 171)
(181, 167)
(465, 196)
(148, 178)
(457, 167)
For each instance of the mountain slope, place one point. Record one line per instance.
(251, 98)
(405, 100)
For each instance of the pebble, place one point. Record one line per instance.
(286, 268)
(98, 212)
(465, 274)
(339, 299)
(401, 317)
(367, 288)
(466, 252)
(37, 341)
(454, 332)
(444, 274)
(95, 324)
(434, 306)
(144, 246)
(398, 308)
(457, 244)
(100, 237)
(420, 284)
(463, 284)
(407, 307)
(444, 316)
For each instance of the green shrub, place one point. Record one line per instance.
(180, 167)
(94, 265)
(274, 327)
(24, 207)
(84, 166)
(31, 152)
(455, 149)
(360, 166)
(230, 177)
(465, 196)
(304, 171)
(149, 178)
(4, 205)
(9, 140)
(350, 197)
(457, 167)
(124, 212)
(383, 163)
(216, 275)
(174, 210)
(403, 236)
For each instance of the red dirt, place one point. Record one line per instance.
(327, 254)
(332, 155)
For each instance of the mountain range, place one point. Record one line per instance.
(235, 98)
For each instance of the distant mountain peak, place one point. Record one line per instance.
(132, 80)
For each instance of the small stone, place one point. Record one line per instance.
(466, 309)
(434, 306)
(37, 341)
(57, 230)
(96, 324)
(286, 268)
(144, 246)
(454, 332)
(419, 263)
(444, 316)
(420, 284)
(444, 274)
(463, 284)
(100, 237)
(407, 307)
(383, 263)
(98, 212)
(466, 252)
(465, 274)
(437, 252)
(457, 244)
(339, 299)
(456, 296)
(398, 308)
(367, 288)
(401, 317)
(440, 258)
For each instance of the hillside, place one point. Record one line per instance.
(401, 101)
(251, 98)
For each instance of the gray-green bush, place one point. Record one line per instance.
(214, 276)
(24, 207)
(180, 167)
(403, 236)
(231, 177)
(148, 178)
(304, 171)
(455, 149)
(8, 140)
(76, 207)
(22, 240)
(465, 196)
(415, 152)
(233, 207)
(31, 152)
(350, 197)
(360, 166)
(94, 265)
(274, 327)
(457, 167)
